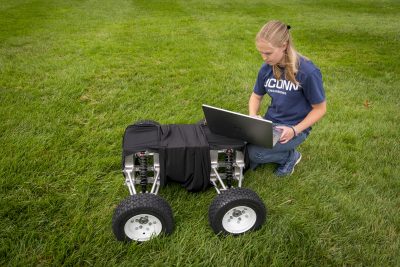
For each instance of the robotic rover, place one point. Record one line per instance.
(193, 156)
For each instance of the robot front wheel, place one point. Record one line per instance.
(236, 211)
(142, 217)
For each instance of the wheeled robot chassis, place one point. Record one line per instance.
(191, 155)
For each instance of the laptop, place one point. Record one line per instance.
(244, 127)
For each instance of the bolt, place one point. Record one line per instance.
(150, 223)
(239, 219)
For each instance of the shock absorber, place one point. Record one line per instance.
(229, 166)
(143, 170)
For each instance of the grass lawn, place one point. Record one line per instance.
(74, 74)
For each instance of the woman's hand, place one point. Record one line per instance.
(317, 112)
(287, 134)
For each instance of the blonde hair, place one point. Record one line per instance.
(277, 34)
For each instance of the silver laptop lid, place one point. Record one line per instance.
(244, 127)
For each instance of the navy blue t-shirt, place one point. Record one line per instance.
(291, 103)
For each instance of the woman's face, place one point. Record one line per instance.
(270, 54)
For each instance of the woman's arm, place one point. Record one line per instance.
(317, 112)
(254, 104)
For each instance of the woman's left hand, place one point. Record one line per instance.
(287, 134)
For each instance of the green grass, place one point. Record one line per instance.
(74, 74)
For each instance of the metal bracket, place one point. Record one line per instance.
(217, 178)
(131, 171)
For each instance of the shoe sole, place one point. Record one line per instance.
(297, 162)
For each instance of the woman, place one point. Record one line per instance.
(295, 86)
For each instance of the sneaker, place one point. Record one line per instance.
(288, 167)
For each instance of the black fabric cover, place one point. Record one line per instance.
(184, 150)
(187, 156)
(141, 137)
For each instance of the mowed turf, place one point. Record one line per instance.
(75, 74)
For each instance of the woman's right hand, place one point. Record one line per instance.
(286, 135)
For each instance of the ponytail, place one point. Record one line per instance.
(277, 34)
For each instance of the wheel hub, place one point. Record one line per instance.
(143, 227)
(236, 213)
(239, 219)
(143, 220)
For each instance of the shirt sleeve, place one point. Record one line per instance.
(259, 85)
(314, 88)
